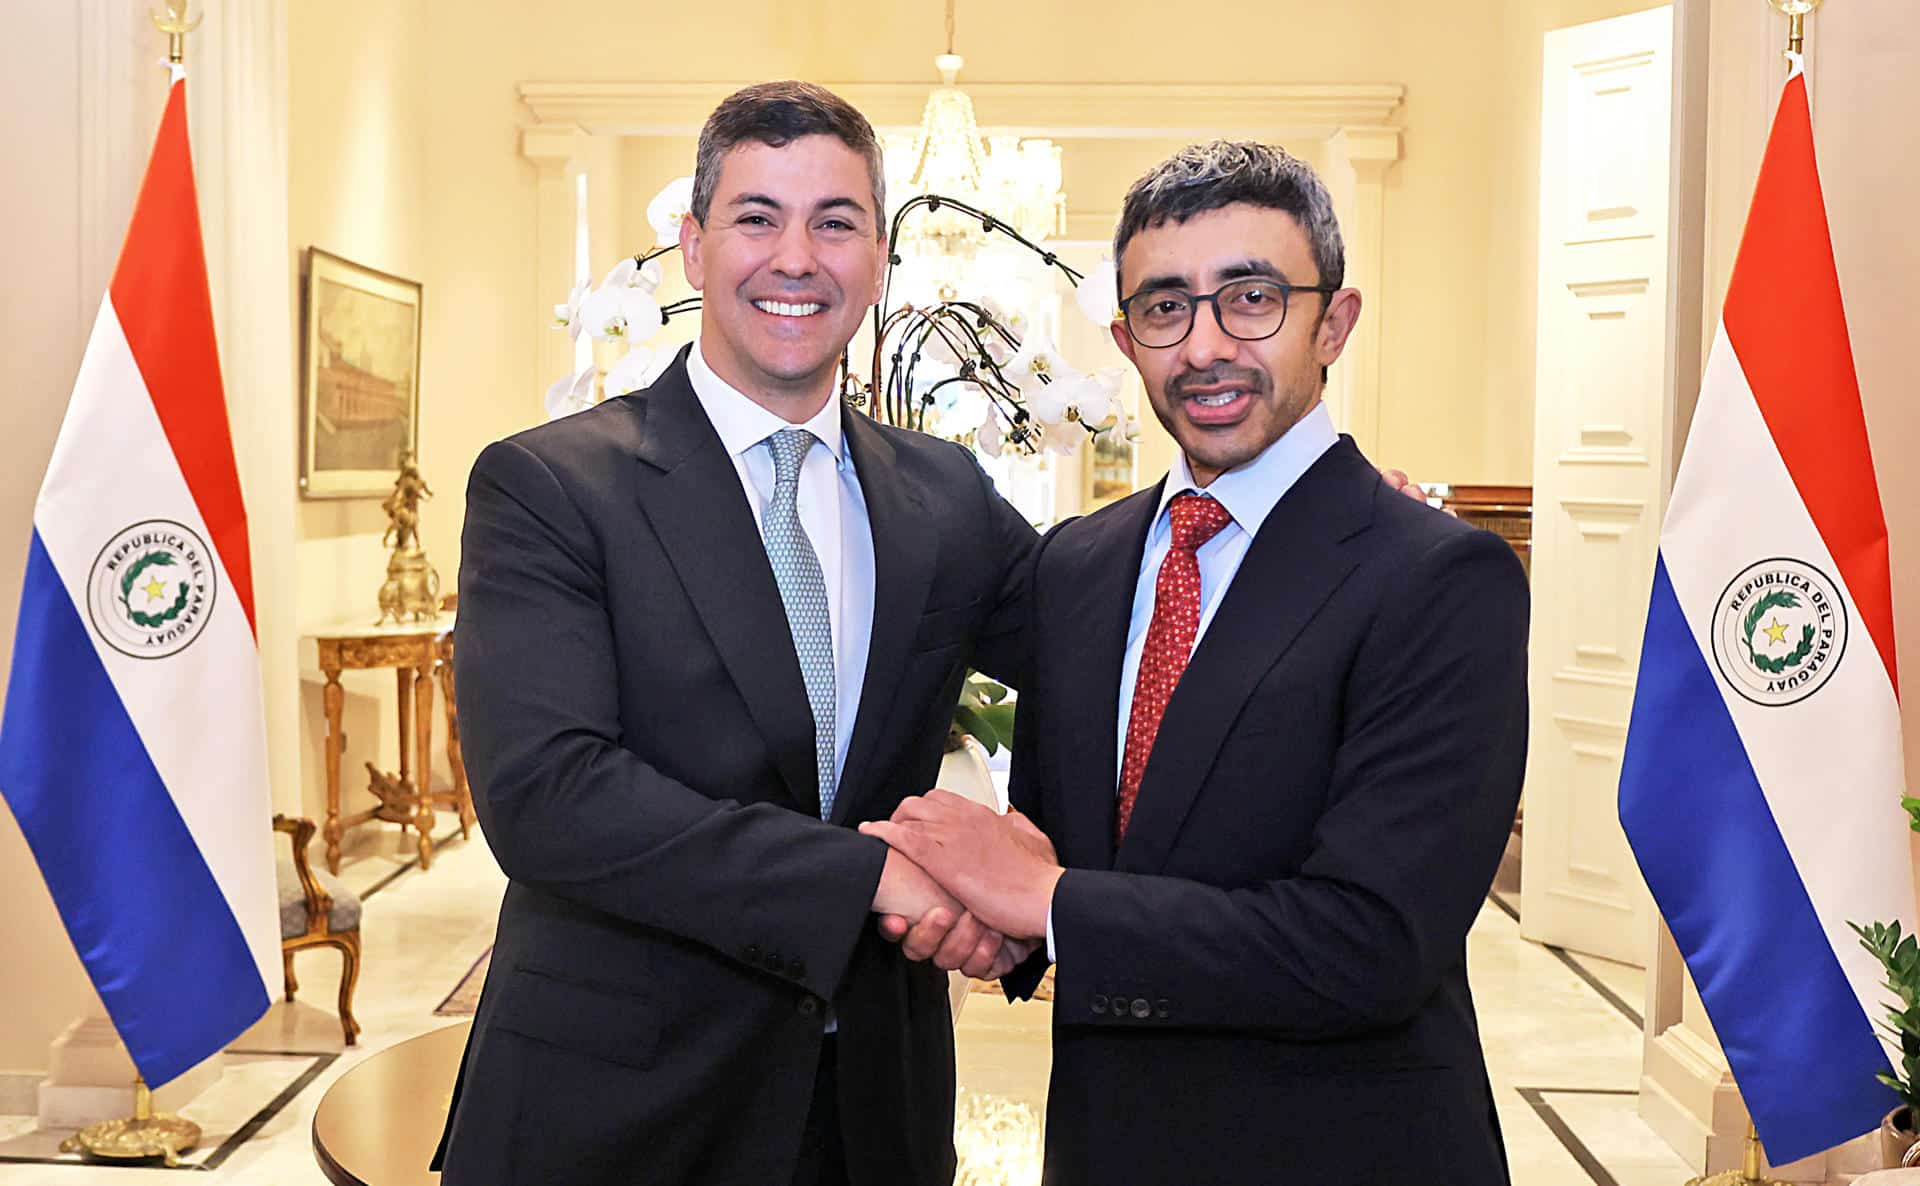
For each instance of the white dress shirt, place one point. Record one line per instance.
(833, 512)
(1249, 492)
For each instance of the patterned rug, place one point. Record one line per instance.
(465, 997)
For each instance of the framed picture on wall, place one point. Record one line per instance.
(359, 377)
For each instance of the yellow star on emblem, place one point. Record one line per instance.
(155, 589)
(1775, 631)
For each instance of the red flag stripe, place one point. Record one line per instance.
(1789, 329)
(159, 294)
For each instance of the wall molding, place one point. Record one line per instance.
(1360, 124)
(1066, 110)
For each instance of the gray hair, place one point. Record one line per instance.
(1203, 177)
(777, 114)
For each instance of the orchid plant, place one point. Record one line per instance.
(969, 369)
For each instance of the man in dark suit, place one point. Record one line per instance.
(1275, 726)
(704, 630)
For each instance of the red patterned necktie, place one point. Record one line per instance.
(1176, 620)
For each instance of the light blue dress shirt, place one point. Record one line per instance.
(1249, 492)
(832, 510)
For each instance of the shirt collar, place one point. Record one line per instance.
(742, 423)
(1250, 491)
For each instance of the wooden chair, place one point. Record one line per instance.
(316, 910)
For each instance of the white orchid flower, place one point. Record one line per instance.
(1095, 295)
(988, 436)
(1047, 402)
(1062, 437)
(1095, 398)
(622, 274)
(571, 394)
(1016, 323)
(1124, 427)
(630, 373)
(1035, 369)
(668, 208)
(621, 311)
(567, 316)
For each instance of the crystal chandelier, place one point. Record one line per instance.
(1016, 180)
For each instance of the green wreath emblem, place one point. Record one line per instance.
(149, 621)
(1778, 599)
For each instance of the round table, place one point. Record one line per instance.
(379, 1123)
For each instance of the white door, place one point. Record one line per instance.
(1599, 468)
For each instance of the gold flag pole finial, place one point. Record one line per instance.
(1749, 1172)
(1797, 13)
(176, 25)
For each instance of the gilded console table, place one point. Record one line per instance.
(420, 653)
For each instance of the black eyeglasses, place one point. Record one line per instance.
(1251, 310)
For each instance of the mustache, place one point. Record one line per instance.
(1256, 380)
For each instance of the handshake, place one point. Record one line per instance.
(964, 886)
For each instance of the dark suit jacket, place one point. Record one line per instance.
(1267, 983)
(677, 916)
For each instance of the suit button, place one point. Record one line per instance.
(1162, 1007)
(752, 953)
(1141, 1008)
(809, 1005)
(774, 963)
(797, 969)
(1099, 1002)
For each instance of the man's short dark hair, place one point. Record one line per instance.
(1203, 177)
(776, 114)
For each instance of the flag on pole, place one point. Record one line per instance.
(133, 745)
(1762, 779)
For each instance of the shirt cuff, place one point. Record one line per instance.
(1050, 956)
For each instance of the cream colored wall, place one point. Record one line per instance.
(1865, 101)
(46, 310)
(403, 153)
(360, 186)
(1457, 372)
(1511, 275)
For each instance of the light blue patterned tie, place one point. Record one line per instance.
(804, 591)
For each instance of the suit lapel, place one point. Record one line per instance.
(905, 547)
(1302, 553)
(1097, 611)
(690, 493)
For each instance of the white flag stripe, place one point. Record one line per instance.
(1855, 768)
(112, 429)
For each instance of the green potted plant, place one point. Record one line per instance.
(1899, 957)
(982, 713)
(982, 723)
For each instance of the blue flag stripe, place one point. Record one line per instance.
(1801, 1048)
(138, 900)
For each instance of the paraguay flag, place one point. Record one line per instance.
(133, 746)
(1762, 780)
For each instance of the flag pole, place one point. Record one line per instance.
(176, 25)
(146, 1135)
(1749, 1174)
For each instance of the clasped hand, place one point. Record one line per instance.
(994, 875)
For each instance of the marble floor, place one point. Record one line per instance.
(1562, 1035)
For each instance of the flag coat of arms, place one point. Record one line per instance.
(133, 745)
(1763, 775)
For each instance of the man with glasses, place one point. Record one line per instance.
(1275, 725)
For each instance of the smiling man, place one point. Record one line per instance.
(705, 630)
(1275, 726)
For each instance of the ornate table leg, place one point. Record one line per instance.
(333, 698)
(423, 756)
(403, 678)
(456, 761)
